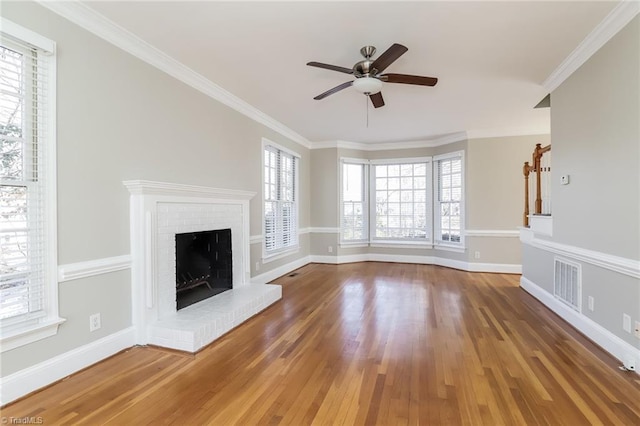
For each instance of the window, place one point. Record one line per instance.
(401, 206)
(449, 199)
(280, 200)
(353, 208)
(412, 201)
(28, 263)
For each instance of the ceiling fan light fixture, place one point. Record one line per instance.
(367, 85)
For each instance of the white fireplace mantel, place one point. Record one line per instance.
(158, 211)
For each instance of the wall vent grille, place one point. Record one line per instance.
(567, 283)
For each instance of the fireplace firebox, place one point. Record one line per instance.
(204, 265)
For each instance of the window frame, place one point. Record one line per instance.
(427, 242)
(16, 332)
(280, 252)
(437, 217)
(365, 201)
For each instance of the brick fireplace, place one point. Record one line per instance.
(158, 212)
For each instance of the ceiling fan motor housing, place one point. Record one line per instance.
(363, 68)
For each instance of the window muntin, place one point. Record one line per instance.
(280, 200)
(401, 204)
(449, 199)
(353, 208)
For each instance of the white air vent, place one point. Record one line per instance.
(567, 282)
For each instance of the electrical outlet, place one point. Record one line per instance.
(636, 330)
(591, 303)
(476, 255)
(626, 323)
(330, 249)
(257, 266)
(94, 322)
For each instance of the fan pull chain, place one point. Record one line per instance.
(366, 100)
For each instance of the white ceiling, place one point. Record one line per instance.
(491, 59)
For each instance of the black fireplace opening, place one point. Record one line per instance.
(203, 265)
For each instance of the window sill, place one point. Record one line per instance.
(26, 335)
(279, 255)
(402, 244)
(354, 244)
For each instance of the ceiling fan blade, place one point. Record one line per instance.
(409, 79)
(377, 100)
(389, 57)
(334, 90)
(330, 67)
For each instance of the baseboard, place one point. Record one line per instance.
(271, 275)
(421, 260)
(502, 268)
(594, 331)
(30, 379)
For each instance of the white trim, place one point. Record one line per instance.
(594, 331)
(90, 268)
(502, 268)
(280, 255)
(492, 233)
(267, 277)
(445, 247)
(324, 230)
(541, 224)
(148, 187)
(255, 239)
(385, 146)
(353, 244)
(504, 132)
(401, 244)
(408, 160)
(622, 265)
(26, 35)
(24, 335)
(111, 32)
(30, 379)
(421, 260)
(615, 21)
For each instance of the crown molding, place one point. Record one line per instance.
(617, 19)
(507, 132)
(385, 146)
(99, 25)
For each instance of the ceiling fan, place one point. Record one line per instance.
(368, 74)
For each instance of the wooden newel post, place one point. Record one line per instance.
(526, 169)
(537, 155)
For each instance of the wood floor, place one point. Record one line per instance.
(364, 343)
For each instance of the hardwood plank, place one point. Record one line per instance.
(364, 344)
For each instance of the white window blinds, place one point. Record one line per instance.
(449, 207)
(280, 200)
(24, 129)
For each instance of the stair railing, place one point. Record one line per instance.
(541, 185)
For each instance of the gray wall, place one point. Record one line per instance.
(596, 140)
(595, 134)
(118, 119)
